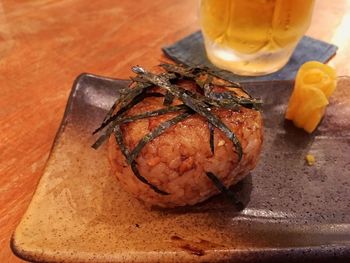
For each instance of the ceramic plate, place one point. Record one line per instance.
(293, 212)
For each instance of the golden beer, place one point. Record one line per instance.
(253, 37)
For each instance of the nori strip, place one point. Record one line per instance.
(100, 140)
(123, 97)
(223, 189)
(195, 104)
(196, 73)
(119, 138)
(144, 180)
(178, 69)
(125, 100)
(161, 128)
(208, 82)
(120, 141)
(207, 87)
(168, 99)
(227, 98)
(127, 119)
(193, 73)
(114, 118)
(224, 103)
(154, 113)
(139, 80)
(211, 137)
(127, 106)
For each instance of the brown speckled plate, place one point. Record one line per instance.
(293, 212)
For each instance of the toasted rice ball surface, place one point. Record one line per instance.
(177, 160)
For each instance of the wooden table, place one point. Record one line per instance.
(45, 44)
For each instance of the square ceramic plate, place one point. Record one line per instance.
(293, 212)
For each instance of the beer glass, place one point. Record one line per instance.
(253, 37)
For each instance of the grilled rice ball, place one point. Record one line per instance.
(177, 160)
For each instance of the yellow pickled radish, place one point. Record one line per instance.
(314, 84)
(313, 102)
